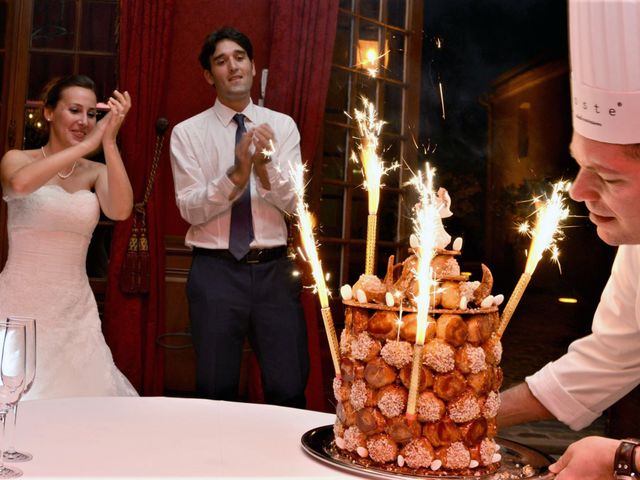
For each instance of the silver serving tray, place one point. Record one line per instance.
(318, 443)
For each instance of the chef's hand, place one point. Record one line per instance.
(590, 458)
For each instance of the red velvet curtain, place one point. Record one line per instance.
(302, 38)
(132, 322)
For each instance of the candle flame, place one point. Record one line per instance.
(309, 245)
(546, 231)
(372, 166)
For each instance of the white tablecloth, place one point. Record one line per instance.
(154, 437)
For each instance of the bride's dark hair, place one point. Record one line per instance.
(53, 90)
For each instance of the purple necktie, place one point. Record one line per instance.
(241, 230)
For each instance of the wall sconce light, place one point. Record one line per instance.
(368, 56)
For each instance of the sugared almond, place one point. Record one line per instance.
(340, 442)
(496, 458)
(361, 296)
(389, 300)
(400, 461)
(498, 299)
(463, 302)
(487, 302)
(473, 464)
(363, 452)
(457, 244)
(436, 464)
(345, 292)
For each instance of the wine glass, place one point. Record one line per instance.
(10, 453)
(12, 378)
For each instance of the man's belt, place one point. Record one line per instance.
(256, 255)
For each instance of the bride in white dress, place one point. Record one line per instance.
(54, 196)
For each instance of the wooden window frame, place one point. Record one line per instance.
(408, 152)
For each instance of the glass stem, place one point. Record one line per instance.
(10, 438)
(3, 418)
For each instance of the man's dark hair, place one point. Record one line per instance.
(224, 33)
(53, 91)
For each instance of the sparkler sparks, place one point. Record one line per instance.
(310, 255)
(425, 223)
(373, 169)
(267, 152)
(444, 115)
(524, 228)
(546, 232)
(309, 245)
(544, 237)
(438, 42)
(372, 165)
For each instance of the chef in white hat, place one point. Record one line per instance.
(604, 366)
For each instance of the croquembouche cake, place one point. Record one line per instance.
(454, 427)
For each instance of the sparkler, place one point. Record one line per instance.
(267, 152)
(373, 169)
(544, 237)
(305, 226)
(425, 222)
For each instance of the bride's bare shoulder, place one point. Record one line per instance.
(24, 155)
(14, 159)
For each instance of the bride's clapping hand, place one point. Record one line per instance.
(93, 139)
(107, 128)
(119, 105)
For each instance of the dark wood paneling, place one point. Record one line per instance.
(179, 356)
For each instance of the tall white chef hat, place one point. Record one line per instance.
(605, 69)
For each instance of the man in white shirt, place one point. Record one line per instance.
(604, 366)
(231, 170)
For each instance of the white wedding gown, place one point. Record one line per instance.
(45, 278)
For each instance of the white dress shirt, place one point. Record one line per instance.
(202, 150)
(604, 366)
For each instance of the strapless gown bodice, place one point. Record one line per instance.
(50, 230)
(45, 278)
